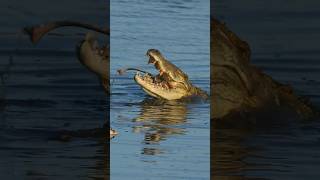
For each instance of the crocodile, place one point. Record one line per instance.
(94, 57)
(170, 84)
(240, 88)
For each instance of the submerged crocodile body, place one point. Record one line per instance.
(171, 83)
(237, 87)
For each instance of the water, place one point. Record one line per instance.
(284, 37)
(47, 93)
(159, 140)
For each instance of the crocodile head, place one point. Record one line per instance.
(230, 68)
(95, 58)
(171, 83)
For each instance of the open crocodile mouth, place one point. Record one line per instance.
(150, 79)
(159, 88)
(164, 85)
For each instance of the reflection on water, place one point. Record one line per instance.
(158, 120)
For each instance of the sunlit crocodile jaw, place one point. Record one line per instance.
(158, 91)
